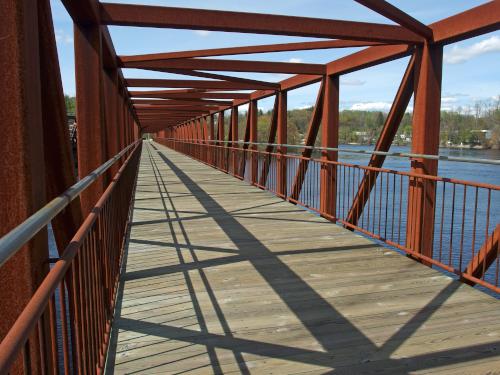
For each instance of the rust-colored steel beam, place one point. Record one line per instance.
(207, 102)
(229, 66)
(156, 108)
(282, 135)
(201, 19)
(273, 126)
(312, 133)
(220, 127)
(170, 115)
(425, 140)
(163, 94)
(22, 167)
(110, 85)
(282, 47)
(84, 12)
(473, 22)
(385, 139)
(195, 84)
(397, 15)
(246, 138)
(234, 126)
(487, 254)
(329, 138)
(206, 134)
(368, 57)
(180, 91)
(212, 128)
(60, 166)
(90, 111)
(196, 73)
(253, 137)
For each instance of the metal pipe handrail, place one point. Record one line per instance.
(365, 152)
(17, 237)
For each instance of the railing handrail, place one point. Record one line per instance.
(17, 237)
(365, 152)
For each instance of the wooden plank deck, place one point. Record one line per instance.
(221, 277)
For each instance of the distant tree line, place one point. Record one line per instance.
(70, 104)
(477, 125)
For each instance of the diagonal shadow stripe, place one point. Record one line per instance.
(273, 272)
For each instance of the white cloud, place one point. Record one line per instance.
(295, 60)
(62, 37)
(448, 99)
(459, 54)
(352, 82)
(202, 32)
(371, 106)
(305, 106)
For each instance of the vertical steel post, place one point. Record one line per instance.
(59, 161)
(211, 133)
(89, 105)
(282, 135)
(22, 167)
(254, 163)
(234, 138)
(425, 140)
(329, 138)
(273, 126)
(110, 82)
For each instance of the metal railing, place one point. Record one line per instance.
(464, 234)
(363, 152)
(17, 237)
(68, 319)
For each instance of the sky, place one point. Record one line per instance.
(471, 71)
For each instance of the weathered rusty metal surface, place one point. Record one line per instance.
(22, 165)
(201, 19)
(425, 140)
(59, 163)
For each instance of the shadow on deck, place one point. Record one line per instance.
(222, 277)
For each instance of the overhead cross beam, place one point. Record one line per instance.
(189, 95)
(282, 47)
(473, 22)
(228, 66)
(182, 102)
(195, 73)
(194, 83)
(215, 20)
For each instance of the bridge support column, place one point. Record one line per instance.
(329, 138)
(111, 99)
(254, 161)
(220, 137)
(425, 140)
(22, 165)
(282, 138)
(90, 109)
(234, 139)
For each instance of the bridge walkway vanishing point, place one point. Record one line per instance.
(221, 277)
